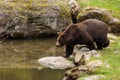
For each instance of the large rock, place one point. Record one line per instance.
(84, 65)
(33, 18)
(95, 77)
(100, 14)
(75, 9)
(56, 62)
(79, 71)
(83, 54)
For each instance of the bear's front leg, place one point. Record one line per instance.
(69, 50)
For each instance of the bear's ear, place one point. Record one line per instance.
(59, 33)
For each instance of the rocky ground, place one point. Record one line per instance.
(36, 19)
(78, 64)
(100, 14)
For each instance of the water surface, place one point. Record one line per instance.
(18, 59)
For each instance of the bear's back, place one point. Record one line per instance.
(93, 23)
(93, 27)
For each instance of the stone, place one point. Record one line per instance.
(96, 13)
(100, 14)
(75, 72)
(95, 77)
(115, 25)
(56, 62)
(74, 6)
(36, 18)
(117, 51)
(112, 36)
(94, 64)
(84, 65)
(83, 54)
(88, 68)
(75, 9)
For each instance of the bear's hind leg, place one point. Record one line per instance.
(106, 43)
(90, 45)
(99, 45)
(102, 43)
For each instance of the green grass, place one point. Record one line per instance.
(112, 53)
(111, 5)
(112, 56)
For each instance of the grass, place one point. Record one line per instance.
(112, 53)
(112, 56)
(111, 5)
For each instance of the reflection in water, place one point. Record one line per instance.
(16, 54)
(27, 51)
(30, 74)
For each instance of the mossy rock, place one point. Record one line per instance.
(34, 16)
(100, 14)
(115, 25)
(95, 13)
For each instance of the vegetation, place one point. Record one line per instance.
(111, 5)
(111, 56)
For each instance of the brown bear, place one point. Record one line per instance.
(86, 33)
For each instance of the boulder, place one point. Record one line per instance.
(82, 54)
(75, 9)
(95, 77)
(77, 72)
(34, 18)
(84, 65)
(115, 25)
(100, 14)
(56, 62)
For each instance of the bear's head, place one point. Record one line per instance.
(67, 36)
(64, 38)
(61, 39)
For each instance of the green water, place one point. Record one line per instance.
(18, 59)
(30, 74)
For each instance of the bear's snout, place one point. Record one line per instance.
(58, 44)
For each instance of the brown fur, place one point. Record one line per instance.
(86, 32)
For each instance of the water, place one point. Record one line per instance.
(30, 74)
(18, 59)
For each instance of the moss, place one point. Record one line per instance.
(64, 8)
(111, 5)
(95, 13)
(20, 10)
(111, 56)
(31, 13)
(31, 5)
